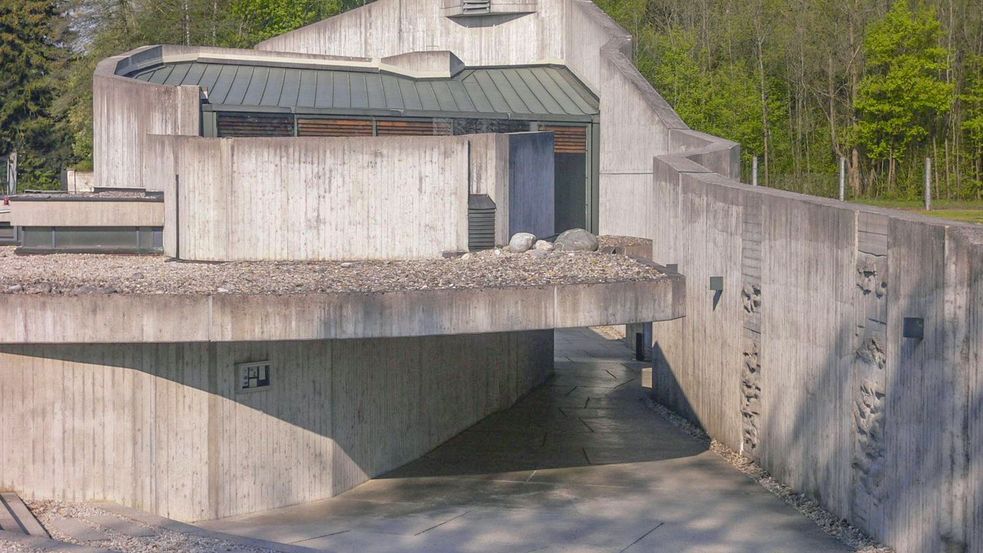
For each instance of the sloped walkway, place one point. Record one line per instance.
(579, 465)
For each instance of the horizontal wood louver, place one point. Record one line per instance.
(334, 127)
(255, 124)
(569, 140)
(412, 127)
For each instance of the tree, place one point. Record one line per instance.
(32, 53)
(904, 92)
(973, 125)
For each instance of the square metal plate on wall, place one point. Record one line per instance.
(253, 377)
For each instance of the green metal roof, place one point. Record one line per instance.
(544, 92)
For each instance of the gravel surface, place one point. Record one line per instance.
(622, 241)
(111, 274)
(101, 195)
(843, 531)
(166, 541)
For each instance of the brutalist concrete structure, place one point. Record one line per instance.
(801, 344)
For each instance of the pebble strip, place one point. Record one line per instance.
(843, 531)
(111, 274)
(166, 541)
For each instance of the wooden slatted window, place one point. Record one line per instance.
(334, 127)
(412, 127)
(255, 124)
(569, 140)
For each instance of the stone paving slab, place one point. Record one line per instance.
(577, 465)
(122, 526)
(76, 529)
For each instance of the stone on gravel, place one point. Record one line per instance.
(15, 288)
(543, 246)
(577, 240)
(522, 242)
(539, 254)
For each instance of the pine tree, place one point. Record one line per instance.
(32, 53)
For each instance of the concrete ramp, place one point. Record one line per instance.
(15, 517)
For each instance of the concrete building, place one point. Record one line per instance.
(838, 345)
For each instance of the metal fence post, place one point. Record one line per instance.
(928, 184)
(842, 179)
(754, 171)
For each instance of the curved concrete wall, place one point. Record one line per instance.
(126, 112)
(161, 427)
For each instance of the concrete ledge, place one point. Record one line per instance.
(112, 318)
(92, 213)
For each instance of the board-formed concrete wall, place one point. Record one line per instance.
(126, 112)
(801, 362)
(314, 198)
(160, 427)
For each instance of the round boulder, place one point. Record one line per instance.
(577, 240)
(521, 242)
(543, 246)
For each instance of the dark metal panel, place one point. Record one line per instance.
(573, 89)
(528, 98)
(394, 100)
(461, 97)
(209, 77)
(238, 79)
(377, 96)
(342, 96)
(516, 105)
(308, 89)
(491, 92)
(324, 97)
(257, 86)
(255, 124)
(428, 97)
(539, 91)
(274, 87)
(176, 78)
(162, 74)
(219, 92)
(411, 98)
(444, 97)
(556, 91)
(194, 75)
(360, 91)
(290, 95)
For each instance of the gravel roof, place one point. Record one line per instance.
(113, 194)
(111, 274)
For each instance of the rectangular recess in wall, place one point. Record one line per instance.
(334, 127)
(253, 377)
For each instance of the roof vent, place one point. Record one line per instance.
(472, 8)
(475, 7)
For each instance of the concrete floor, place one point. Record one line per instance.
(579, 465)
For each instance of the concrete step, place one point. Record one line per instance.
(15, 517)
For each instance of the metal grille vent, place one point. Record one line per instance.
(334, 127)
(414, 127)
(476, 6)
(569, 140)
(481, 222)
(254, 124)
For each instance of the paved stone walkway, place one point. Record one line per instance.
(579, 465)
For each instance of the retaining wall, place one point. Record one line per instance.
(161, 427)
(801, 362)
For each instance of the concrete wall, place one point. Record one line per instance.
(314, 198)
(801, 363)
(125, 113)
(91, 213)
(391, 27)
(160, 427)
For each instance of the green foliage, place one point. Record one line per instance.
(259, 20)
(904, 94)
(31, 55)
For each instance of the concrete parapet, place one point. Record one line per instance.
(100, 318)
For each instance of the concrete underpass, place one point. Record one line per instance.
(581, 464)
